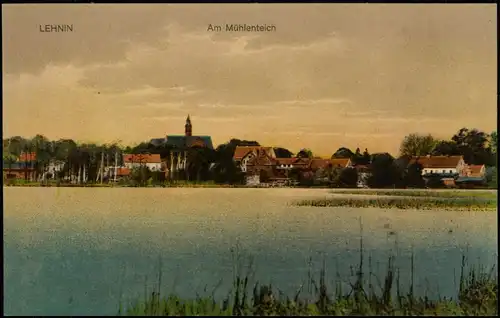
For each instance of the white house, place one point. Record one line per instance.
(153, 162)
(444, 165)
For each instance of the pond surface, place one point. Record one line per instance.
(80, 251)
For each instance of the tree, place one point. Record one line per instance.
(493, 142)
(348, 178)
(384, 172)
(8, 159)
(473, 146)
(343, 153)
(305, 153)
(140, 175)
(17, 145)
(366, 158)
(306, 178)
(199, 160)
(357, 156)
(334, 176)
(491, 177)
(413, 177)
(445, 148)
(321, 175)
(282, 152)
(417, 145)
(225, 169)
(42, 149)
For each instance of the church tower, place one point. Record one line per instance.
(188, 128)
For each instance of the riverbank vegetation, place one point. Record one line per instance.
(417, 203)
(366, 295)
(422, 193)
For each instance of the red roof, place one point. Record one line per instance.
(242, 151)
(324, 163)
(122, 172)
(263, 157)
(291, 161)
(142, 158)
(342, 162)
(437, 161)
(30, 156)
(476, 170)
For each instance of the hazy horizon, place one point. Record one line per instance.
(331, 75)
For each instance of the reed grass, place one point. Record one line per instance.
(423, 193)
(476, 296)
(467, 204)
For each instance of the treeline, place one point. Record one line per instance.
(85, 160)
(476, 147)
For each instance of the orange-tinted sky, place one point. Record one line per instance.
(331, 75)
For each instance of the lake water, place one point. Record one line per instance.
(78, 251)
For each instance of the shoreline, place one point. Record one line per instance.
(363, 191)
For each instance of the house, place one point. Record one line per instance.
(287, 164)
(476, 171)
(19, 170)
(27, 157)
(318, 163)
(121, 172)
(24, 167)
(318, 167)
(243, 154)
(284, 167)
(441, 165)
(261, 165)
(258, 162)
(475, 176)
(152, 161)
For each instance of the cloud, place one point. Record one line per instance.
(326, 73)
(332, 134)
(144, 92)
(159, 105)
(283, 103)
(333, 44)
(185, 90)
(201, 119)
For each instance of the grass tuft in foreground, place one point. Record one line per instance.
(477, 295)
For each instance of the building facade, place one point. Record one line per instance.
(260, 165)
(179, 146)
(152, 161)
(23, 168)
(442, 165)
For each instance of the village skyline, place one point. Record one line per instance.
(329, 76)
(122, 144)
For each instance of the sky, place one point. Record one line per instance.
(329, 76)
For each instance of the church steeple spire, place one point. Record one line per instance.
(188, 128)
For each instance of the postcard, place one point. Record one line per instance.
(250, 159)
